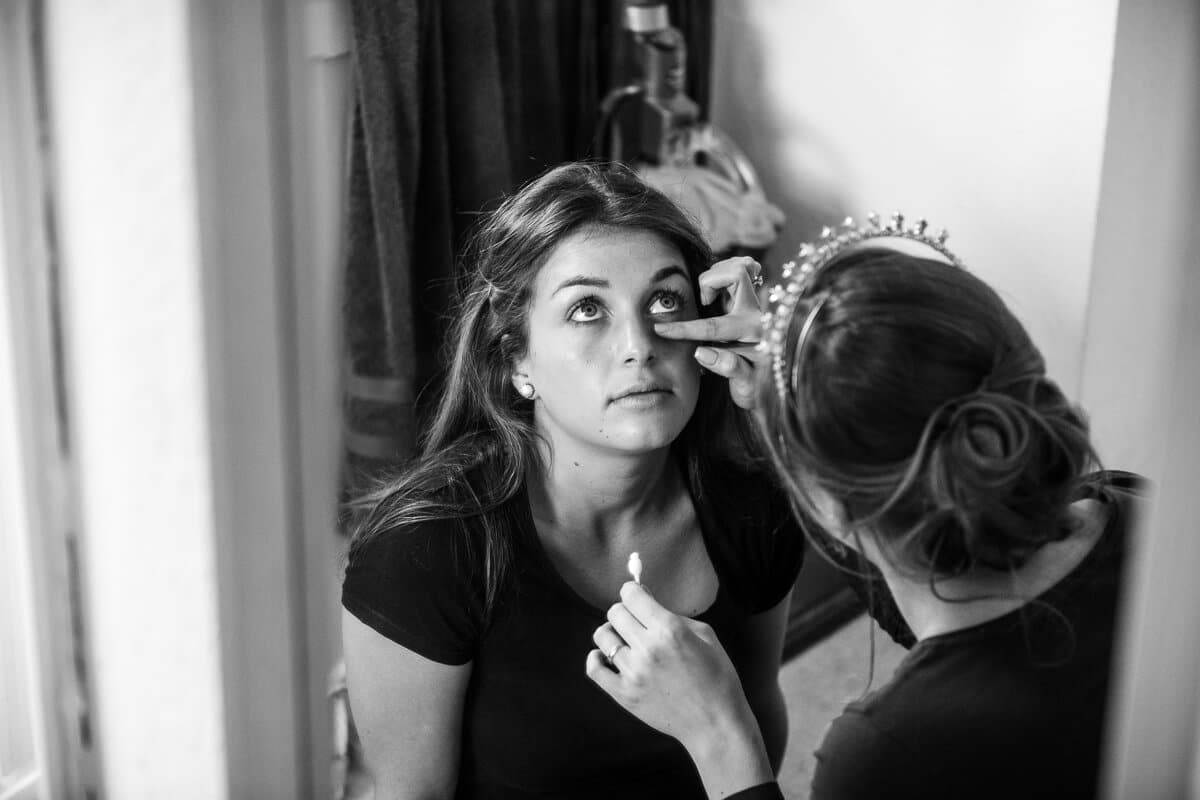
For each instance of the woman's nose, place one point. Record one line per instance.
(637, 341)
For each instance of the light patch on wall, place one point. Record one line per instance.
(120, 86)
(988, 119)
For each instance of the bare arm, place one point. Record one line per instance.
(764, 637)
(408, 710)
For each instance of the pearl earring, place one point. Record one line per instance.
(526, 391)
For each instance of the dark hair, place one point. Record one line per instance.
(921, 404)
(475, 453)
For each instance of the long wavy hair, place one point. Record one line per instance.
(481, 443)
(922, 405)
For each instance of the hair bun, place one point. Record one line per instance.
(986, 441)
(1000, 470)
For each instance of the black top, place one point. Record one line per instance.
(534, 724)
(763, 791)
(1013, 707)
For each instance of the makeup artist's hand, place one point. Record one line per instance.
(672, 673)
(727, 342)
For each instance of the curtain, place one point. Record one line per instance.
(457, 102)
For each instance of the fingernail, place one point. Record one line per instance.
(706, 356)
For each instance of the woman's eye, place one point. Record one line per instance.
(585, 311)
(666, 303)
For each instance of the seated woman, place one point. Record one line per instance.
(568, 436)
(911, 418)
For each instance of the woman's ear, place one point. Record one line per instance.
(522, 382)
(519, 374)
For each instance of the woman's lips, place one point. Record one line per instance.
(648, 398)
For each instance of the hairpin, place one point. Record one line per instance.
(798, 276)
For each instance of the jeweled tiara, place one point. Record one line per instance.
(813, 257)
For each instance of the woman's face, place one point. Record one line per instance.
(603, 378)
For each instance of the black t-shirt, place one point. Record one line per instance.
(534, 724)
(1013, 707)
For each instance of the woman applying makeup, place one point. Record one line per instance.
(911, 418)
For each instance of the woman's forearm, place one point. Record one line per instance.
(730, 756)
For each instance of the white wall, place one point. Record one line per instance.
(38, 759)
(198, 278)
(986, 118)
(121, 102)
(23, 736)
(1128, 360)
(1142, 379)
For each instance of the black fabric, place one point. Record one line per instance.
(1014, 707)
(456, 103)
(535, 725)
(764, 791)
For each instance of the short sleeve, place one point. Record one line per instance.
(783, 556)
(417, 587)
(764, 791)
(756, 545)
(857, 761)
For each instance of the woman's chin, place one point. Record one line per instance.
(644, 438)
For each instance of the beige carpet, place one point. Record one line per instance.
(818, 683)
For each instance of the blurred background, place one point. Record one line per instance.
(227, 238)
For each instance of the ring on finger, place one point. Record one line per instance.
(612, 651)
(757, 280)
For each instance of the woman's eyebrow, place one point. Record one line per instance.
(667, 272)
(581, 280)
(602, 283)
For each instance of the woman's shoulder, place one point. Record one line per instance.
(861, 757)
(442, 497)
(423, 542)
(1123, 494)
(746, 494)
(755, 543)
(422, 582)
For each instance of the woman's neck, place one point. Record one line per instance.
(599, 496)
(980, 596)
